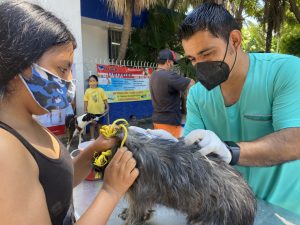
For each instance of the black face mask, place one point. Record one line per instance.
(212, 73)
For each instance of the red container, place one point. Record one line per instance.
(93, 175)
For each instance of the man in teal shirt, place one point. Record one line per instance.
(252, 100)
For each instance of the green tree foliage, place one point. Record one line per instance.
(158, 33)
(162, 25)
(125, 8)
(253, 38)
(290, 40)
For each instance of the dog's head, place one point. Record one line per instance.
(84, 120)
(143, 145)
(88, 117)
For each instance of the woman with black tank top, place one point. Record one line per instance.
(36, 172)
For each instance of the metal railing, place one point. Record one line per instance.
(91, 63)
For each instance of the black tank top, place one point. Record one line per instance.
(56, 177)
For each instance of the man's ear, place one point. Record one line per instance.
(235, 38)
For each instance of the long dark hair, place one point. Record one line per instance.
(27, 31)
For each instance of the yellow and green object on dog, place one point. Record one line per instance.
(102, 159)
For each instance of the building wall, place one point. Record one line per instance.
(94, 40)
(69, 12)
(95, 44)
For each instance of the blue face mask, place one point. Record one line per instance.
(49, 90)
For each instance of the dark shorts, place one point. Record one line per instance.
(101, 120)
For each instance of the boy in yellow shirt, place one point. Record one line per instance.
(95, 102)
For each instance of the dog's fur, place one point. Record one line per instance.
(205, 189)
(75, 126)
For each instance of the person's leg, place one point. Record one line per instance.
(100, 123)
(92, 129)
(96, 133)
(172, 129)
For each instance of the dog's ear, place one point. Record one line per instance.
(86, 117)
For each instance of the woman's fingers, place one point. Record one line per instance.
(133, 175)
(127, 155)
(118, 155)
(124, 159)
(130, 165)
(127, 163)
(120, 172)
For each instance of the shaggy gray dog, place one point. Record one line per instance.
(175, 175)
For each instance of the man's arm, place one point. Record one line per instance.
(284, 143)
(278, 147)
(193, 118)
(186, 92)
(180, 83)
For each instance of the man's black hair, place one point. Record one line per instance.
(208, 17)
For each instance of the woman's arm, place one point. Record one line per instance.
(22, 198)
(83, 162)
(119, 176)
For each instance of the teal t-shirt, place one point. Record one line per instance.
(269, 101)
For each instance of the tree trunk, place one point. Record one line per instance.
(127, 20)
(171, 4)
(269, 38)
(238, 15)
(295, 9)
(270, 24)
(220, 2)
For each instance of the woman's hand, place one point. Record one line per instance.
(102, 144)
(120, 173)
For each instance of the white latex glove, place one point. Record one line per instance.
(161, 134)
(209, 143)
(139, 130)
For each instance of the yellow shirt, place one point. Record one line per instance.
(95, 98)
